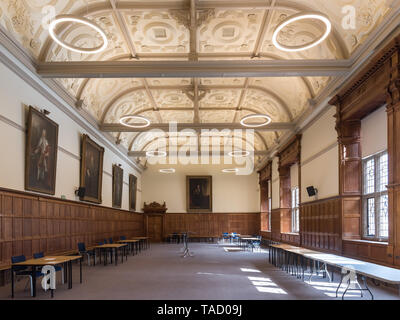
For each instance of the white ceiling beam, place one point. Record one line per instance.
(142, 154)
(193, 32)
(124, 29)
(116, 127)
(196, 118)
(194, 69)
(265, 25)
(241, 99)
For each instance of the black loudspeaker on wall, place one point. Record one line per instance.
(80, 192)
(311, 191)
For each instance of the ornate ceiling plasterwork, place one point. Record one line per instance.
(157, 31)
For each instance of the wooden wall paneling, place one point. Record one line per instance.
(31, 223)
(376, 85)
(212, 224)
(321, 224)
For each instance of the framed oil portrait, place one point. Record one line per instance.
(117, 184)
(118, 176)
(91, 170)
(132, 192)
(199, 194)
(41, 153)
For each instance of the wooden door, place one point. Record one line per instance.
(155, 227)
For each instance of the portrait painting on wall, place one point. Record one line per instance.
(91, 169)
(41, 153)
(117, 185)
(132, 192)
(199, 193)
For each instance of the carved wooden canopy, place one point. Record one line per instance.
(290, 154)
(266, 172)
(154, 207)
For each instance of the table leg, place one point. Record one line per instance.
(65, 267)
(12, 282)
(80, 270)
(340, 284)
(70, 274)
(116, 256)
(34, 280)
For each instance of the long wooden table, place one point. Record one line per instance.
(245, 241)
(130, 243)
(294, 258)
(45, 261)
(144, 242)
(114, 247)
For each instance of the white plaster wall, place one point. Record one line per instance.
(231, 192)
(319, 158)
(15, 95)
(374, 133)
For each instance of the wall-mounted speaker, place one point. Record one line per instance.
(80, 192)
(312, 191)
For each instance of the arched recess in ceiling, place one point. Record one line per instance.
(92, 9)
(137, 136)
(265, 91)
(85, 82)
(149, 142)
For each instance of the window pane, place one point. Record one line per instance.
(383, 217)
(295, 209)
(383, 172)
(371, 217)
(369, 177)
(269, 214)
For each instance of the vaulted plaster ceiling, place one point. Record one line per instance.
(196, 31)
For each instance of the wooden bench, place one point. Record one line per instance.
(293, 259)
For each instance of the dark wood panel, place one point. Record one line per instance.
(320, 225)
(212, 224)
(30, 223)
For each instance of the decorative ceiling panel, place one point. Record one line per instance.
(229, 31)
(140, 30)
(184, 116)
(157, 31)
(221, 98)
(217, 116)
(172, 98)
(134, 103)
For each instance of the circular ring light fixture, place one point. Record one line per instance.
(71, 18)
(298, 17)
(124, 121)
(267, 120)
(156, 154)
(239, 154)
(230, 170)
(167, 170)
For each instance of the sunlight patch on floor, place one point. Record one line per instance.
(250, 270)
(266, 285)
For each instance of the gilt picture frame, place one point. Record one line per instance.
(41, 153)
(199, 194)
(91, 177)
(117, 186)
(132, 192)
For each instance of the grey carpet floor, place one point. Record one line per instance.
(215, 272)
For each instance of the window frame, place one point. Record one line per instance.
(376, 195)
(295, 209)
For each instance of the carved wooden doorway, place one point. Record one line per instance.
(154, 227)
